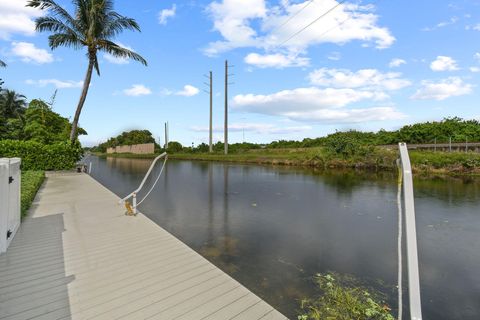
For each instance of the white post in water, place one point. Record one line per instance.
(90, 168)
(411, 233)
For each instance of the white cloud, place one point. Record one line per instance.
(188, 91)
(475, 69)
(15, 18)
(232, 19)
(334, 56)
(442, 24)
(444, 63)
(443, 89)
(260, 128)
(117, 60)
(364, 78)
(59, 84)
(137, 90)
(396, 63)
(236, 20)
(276, 60)
(165, 14)
(316, 105)
(29, 53)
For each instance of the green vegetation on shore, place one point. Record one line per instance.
(31, 182)
(350, 149)
(423, 162)
(34, 132)
(39, 156)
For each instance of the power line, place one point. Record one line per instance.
(311, 23)
(294, 15)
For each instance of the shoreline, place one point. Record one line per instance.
(423, 163)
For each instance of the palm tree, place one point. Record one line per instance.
(92, 26)
(2, 65)
(12, 104)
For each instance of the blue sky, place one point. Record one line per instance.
(364, 65)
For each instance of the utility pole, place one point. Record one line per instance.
(166, 135)
(226, 105)
(210, 92)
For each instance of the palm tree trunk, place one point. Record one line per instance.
(86, 85)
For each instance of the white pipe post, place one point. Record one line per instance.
(134, 203)
(411, 234)
(90, 168)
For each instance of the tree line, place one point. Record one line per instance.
(456, 129)
(32, 121)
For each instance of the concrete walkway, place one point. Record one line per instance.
(78, 256)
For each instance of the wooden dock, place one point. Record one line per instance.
(77, 256)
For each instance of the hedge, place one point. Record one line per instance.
(31, 182)
(37, 156)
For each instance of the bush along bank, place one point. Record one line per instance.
(31, 182)
(38, 156)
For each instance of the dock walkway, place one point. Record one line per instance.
(77, 256)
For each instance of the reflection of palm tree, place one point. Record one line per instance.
(92, 27)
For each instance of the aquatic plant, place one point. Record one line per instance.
(343, 298)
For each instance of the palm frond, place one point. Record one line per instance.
(52, 24)
(116, 24)
(95, 65)
(120, 52)
(66, 40)
(54, 8)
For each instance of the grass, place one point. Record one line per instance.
(374, 158)
(31, 182)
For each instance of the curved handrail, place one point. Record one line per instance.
(134, 193)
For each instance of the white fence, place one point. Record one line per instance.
(9, 200)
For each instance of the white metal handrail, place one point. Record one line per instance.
(133, 195)
(411, 234)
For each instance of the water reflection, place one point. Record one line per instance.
(273, 228)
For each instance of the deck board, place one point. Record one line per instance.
(77, 256)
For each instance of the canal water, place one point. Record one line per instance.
(274, 228)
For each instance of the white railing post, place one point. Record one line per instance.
(10, 177)
(411, 234)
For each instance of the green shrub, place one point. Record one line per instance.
(31, 182)
(174, 147)
(37, 156)
(343, 298)
(345, 146)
